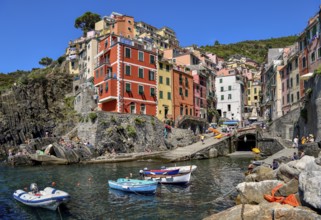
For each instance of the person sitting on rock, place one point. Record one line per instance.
(295, 156)
(275, 165)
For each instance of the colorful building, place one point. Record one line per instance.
(182, 93)
(126, 76)
(165, 84)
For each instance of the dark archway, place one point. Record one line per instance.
(246, 142)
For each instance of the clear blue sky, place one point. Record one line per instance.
(33, 29)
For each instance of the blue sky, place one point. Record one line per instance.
(33, 29)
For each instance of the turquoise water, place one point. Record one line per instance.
(92, 199)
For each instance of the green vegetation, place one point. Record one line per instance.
(92, 116)
(139, 121)
(131, 132)
(254, 49)
(45, 61)
(87, 21)
(113, 119)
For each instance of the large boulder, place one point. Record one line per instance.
(260, 173)
(253, 192)
(265, 211)
(286, 172)
(310, 190)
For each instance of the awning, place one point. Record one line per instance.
(306, 76)
(230, 123)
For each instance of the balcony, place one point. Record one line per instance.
(102, 62)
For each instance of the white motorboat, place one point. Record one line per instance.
(49, 198)
(183, 169)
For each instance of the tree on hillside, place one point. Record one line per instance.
(46, 61)
(216, 43)
(87, 21)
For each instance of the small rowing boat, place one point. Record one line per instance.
(134, 185)
(161, 171)
(170, 179)
(183, 169)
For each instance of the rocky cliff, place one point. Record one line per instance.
(34, 106)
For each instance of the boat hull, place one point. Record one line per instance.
(183, 169)
(49, 198)
(134, 186)
(182, 179)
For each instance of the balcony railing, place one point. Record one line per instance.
(103, 62)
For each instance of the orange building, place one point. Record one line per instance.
(182, 92)
(126, 76)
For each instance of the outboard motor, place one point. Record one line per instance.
(34, 187)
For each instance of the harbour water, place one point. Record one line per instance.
(211, 190)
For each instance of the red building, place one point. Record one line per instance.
(126, 76)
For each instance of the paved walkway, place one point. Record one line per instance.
(187, 151)
(286, 152)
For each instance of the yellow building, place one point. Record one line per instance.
(165, 95)
(254, 89)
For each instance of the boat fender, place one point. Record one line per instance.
(53, 191)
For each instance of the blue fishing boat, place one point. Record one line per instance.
(161, 172)
(134, 185)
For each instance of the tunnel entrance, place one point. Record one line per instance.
(245, 142)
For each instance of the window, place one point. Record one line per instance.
(292, 98)
(186, 93)
(100, 89)
(129, 29)
(297, 96)
(229, 88)
(312, 56)
(229, 96)
(152, 59)
(288, 98)
(297, 79)
(304, 62)
(128, 89)
(160, 66)
(97, 73)
(160, 79)
(132, 108)
(180, 79)
(291, 82)
(169, 96)
(222, 97)
(127, 70)
(167, 68)
(181, 110)
(255, 90)
(222, 89)
(106, 87)
(186, 82)
(186, 110)
(152, 91)
(140, 55)
(142, 109)
(229, 108)
(221, 80)
(141, 90)
(181, 91)
(127, 52)
(282, 87)
(101, 72)
(319, 52)
(296, 63)
(191, 112)
(141, 73)
(167, 81)
(161, 94)
(151, 75)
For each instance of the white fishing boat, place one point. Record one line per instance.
(49, 198)
(170, 179)
(183, 169)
